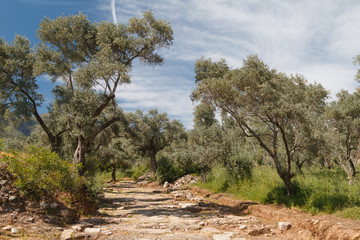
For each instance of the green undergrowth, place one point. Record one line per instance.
(41, 174)
(315, 190)
(103, 177)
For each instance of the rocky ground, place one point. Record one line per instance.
(130, 211)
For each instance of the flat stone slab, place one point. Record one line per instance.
(210, 230)
(223, 236)
(150, 231)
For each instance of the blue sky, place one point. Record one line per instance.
(317, 39)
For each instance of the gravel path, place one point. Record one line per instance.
(132, 212)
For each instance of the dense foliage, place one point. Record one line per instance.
(41, 175)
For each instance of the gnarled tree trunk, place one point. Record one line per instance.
(153, 164)
(79, 155)
(113, 172)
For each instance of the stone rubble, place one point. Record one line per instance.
(283, 226)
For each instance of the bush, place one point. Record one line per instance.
(138, 170)
(279, 195)
(41, 174)
(219, 179)
(167, 171)
(239, 166)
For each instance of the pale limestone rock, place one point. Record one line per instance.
(210, 230)
(242, 226)
(283, 226)
(226, 236)
(7, 228)
(92, 230)
(67, 234)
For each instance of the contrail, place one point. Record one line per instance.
(113, 11)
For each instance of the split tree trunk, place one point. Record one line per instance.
(79, 155)
(285, 176)
(350, 171)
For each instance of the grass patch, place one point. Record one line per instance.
(105, 176)
(351, 212)
(316, 190)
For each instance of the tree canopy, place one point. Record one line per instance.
(268, 106)
(89, 61)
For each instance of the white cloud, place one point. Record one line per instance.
(317, 39)
(113, 11)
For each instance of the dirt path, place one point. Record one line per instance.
(129, 212)
(132, 212)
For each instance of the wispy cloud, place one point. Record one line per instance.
(113, 11)
(317, 39)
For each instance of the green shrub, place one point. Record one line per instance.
(279, 195)
(138, 170)
(218, 179)
(40, 173)
(168, 171)
(1, 144)
(239, 166)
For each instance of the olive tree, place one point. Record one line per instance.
(269, 106)
(152, 132)
(19, 97)
(205, 140)
(344, 119)
(89, 61)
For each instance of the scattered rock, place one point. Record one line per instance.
(12, 198)
(77, 228)
(242, 227)
(189, 196)
(223, 236)
(92, 230)
(7, 228)
(166, 185)
(210, 230)
(3, 182)
(201, 223)
(30, 220)
(168, 190)
(142, 183)
(146, 177)
(180, 196)
(186, 205)
(202, 204)
(185, 181)
(67, 235)
(81, 227)
(14, 230)
(54, 205)
(283, 226)
(44, 205)
(259, 231)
